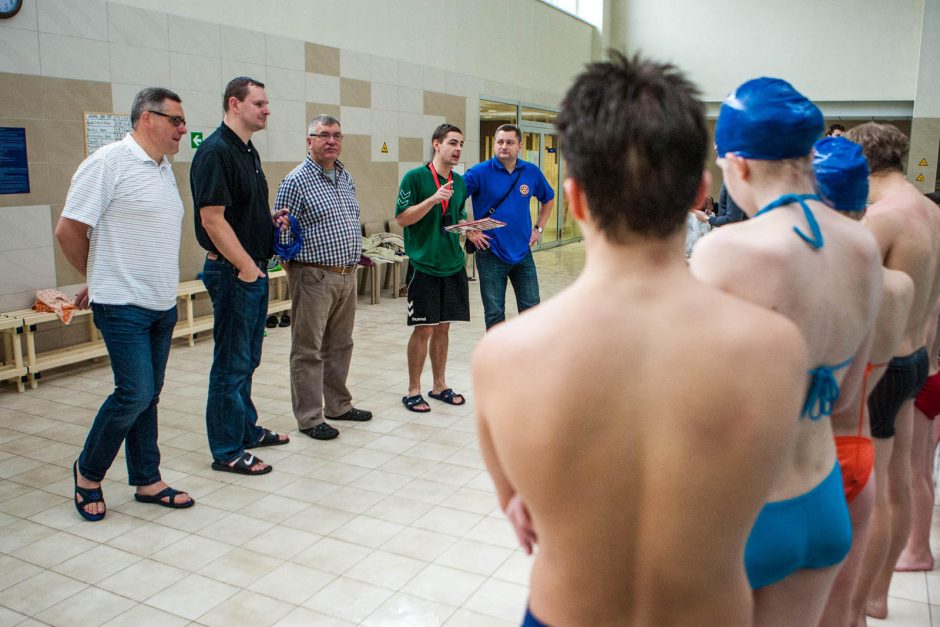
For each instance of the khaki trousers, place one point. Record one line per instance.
(323, 312)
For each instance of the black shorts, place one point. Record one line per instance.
(435, 299)
(903, 379)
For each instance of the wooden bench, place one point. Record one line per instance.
(37, 362)
(13, 367)
(25, 322)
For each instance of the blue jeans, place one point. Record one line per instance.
(240, 311)
(493, 275)
(138, 342)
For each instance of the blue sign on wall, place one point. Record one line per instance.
(14, 169)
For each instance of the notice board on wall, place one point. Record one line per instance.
(14, 167)
(104, 128)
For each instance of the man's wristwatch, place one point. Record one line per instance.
(537, 228)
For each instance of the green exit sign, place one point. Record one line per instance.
(195, 139)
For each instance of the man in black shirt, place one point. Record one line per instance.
(233, 222)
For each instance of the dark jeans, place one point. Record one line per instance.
(493, 275)
(240, 310)
(138, 342)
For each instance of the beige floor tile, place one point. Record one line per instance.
(367, 531)
(22, 533)
(145, 616)
(235, 529)
(399, 510)
(96, 564)
(406, 609)
(192, 552)
(474, 557)
(91, 606)
(282, 542)
(516, 569)
(246, 608)
(292, 583)
(39, 592)
(466, 618)
(450, 521)
(13, 571)
(318, 519)
(909, 586)
(302, 617)
(427, 491)
(906, 613)
(348, 599)
(142, 579)
(240, 567)
(54, 549)
(232, 497)
(419, 544)
(332, 555)
(444, 585)
(352, 500)
(9, 617)
(386, 570)
(147, 539)
(499, 599)
(192, 596)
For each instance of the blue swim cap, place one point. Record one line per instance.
(841, 173)
(765, 118)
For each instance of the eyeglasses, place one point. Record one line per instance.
(337, 137)
(175, 120)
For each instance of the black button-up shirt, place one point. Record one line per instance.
(227, 172)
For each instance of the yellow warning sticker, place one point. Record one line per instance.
(923, 163)
(920, 178)
(384, 148)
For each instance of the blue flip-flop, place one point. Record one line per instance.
(447, 396)
(89, 496)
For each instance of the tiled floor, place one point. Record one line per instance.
(393, 523)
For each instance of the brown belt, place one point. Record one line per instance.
(336, 269)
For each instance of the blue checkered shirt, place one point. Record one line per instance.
(328, 214)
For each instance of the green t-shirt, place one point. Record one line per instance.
(429, 248)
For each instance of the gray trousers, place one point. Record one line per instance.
(323, 312)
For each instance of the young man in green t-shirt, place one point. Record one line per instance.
(430, 198)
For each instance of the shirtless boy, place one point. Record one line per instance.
(638, 484)
(842, 181)
(822, 271)
(907, 227)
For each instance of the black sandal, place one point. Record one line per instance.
(243, 466)
(166, 493)
(269, 438)
(411, 403)
(89, 496)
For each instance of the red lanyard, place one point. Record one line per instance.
(450, 179)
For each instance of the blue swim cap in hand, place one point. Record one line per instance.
(766, 118)
(841, 173)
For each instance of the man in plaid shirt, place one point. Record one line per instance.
(321, 195)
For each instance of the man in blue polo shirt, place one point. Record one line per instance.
(505, 253)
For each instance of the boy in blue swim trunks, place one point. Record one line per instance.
(821, 270)
(607, 452)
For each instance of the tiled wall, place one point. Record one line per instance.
(60, 58)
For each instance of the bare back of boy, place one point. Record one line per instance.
(643, 477)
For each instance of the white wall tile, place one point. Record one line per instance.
(435, 79)
(70, 57)
(231, 69)
(19, 51)
(141, 65)
(385, 122)
(138, 27)
(288, 115)
(411, 100)
(463, 84)
(122, 96)
(384, 70)
(356, 65)
(190, 71)
(285, 53)
(203, 109)
(384, 96)
(260, 141)
(412, 125)
(25, 228)
(242, 45)
(17, 300)
(405, 166)
(28, 269)
(390, 141)
(285, 84)
(194, 37)
(87, 19)
(410, 75)
(322, 88)
(289, 146)
(356, 120)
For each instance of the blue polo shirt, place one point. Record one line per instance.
(487, 182)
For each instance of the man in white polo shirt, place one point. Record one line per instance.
(121, 225)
